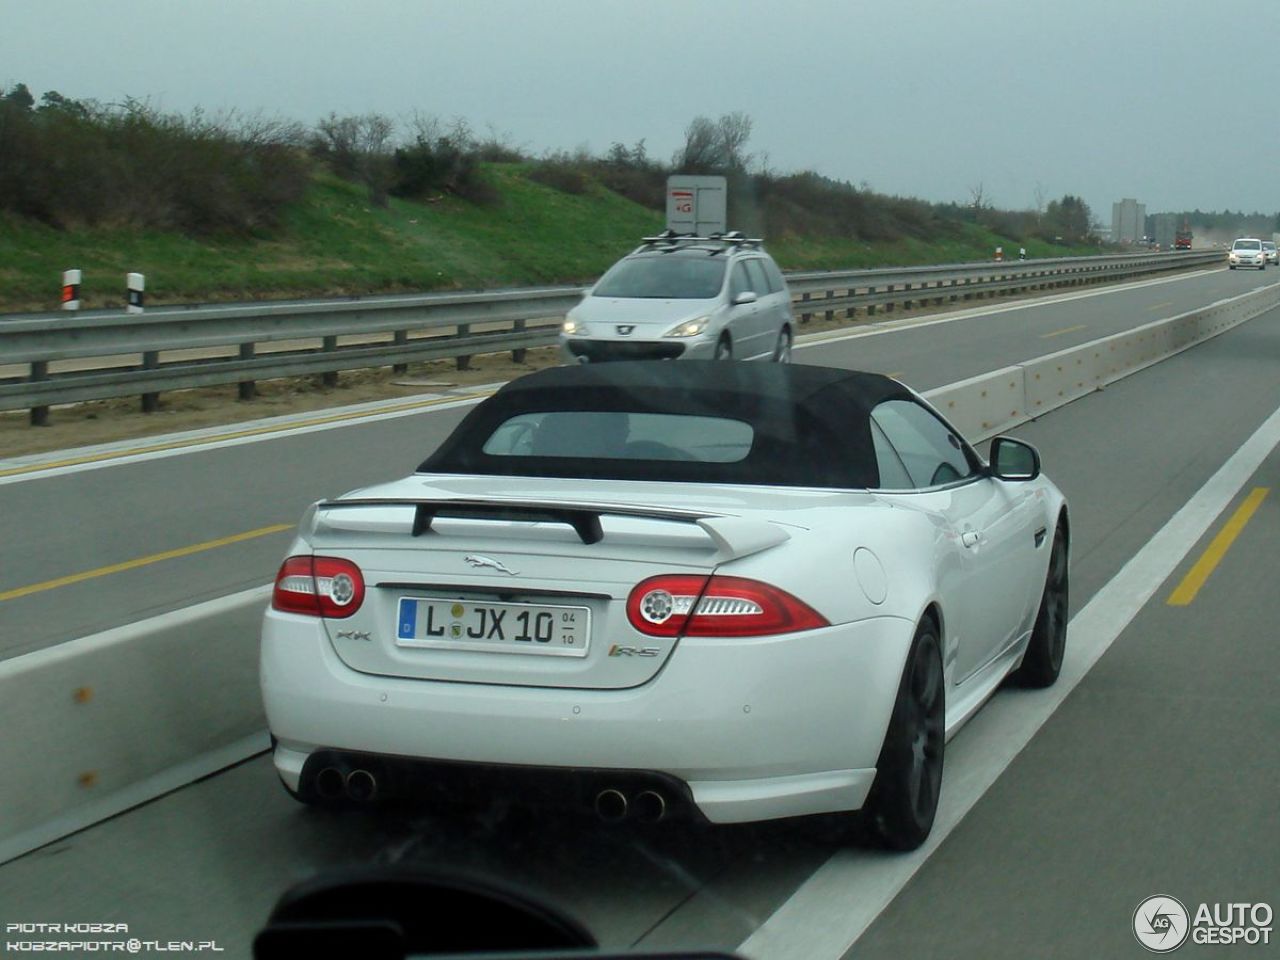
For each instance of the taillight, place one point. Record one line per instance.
(318, 587)
(693, 606)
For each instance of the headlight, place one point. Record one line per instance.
(689, 328)
(575, 327)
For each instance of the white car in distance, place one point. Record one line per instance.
(1247, 252)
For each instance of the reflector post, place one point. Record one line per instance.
(70, 289)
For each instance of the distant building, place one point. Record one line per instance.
(1128, 221)
(1164, 228)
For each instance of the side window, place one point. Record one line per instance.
(776, 281)
(759, 282)
(893, 472)
(931, 453)
(738, 283)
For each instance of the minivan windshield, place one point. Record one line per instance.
(663, 277)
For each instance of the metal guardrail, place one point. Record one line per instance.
(71, 358)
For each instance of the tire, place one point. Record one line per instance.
(1233, 266)
(900, 809)
(1042, 662)
(724, 349)
(782, 352)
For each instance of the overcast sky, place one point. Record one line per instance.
(1173, 102)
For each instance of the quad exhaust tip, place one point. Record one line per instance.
(362, 786)
(613, 806)
(650, 807)
(330, 784)
(358, 785)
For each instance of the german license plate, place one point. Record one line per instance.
(530, 628)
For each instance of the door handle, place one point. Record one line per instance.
(970, 538)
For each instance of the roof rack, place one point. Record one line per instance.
(671, 240)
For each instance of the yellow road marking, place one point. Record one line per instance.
(143, 561)
(1157, 306)
(1195, 579)
(238, 434)
(1058, 333)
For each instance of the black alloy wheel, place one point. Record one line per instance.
(1048, 645)
(900, 810)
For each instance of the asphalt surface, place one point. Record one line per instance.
(126, 512)
(1155, 776)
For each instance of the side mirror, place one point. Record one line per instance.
(1014, 460)
(747, 296)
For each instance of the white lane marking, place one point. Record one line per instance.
(227, 435)
(835, 906)
(117, 453)
(907, 323)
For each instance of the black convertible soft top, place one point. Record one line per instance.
(811, 425)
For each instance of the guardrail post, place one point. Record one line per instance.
(463, 362)
(829, 315)
(150, 401)
(804, 301)
(330, 377)
(850, 312)
(888, 307)
(518, 354)
(246, 389)
(906, 304)
(400, 339)
(39, 371)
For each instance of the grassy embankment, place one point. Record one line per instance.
(335, 243)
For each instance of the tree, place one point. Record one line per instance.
(359, 148)
(20, 97)
(715, 146)
(1069, 218)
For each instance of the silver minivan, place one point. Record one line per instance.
(719, 297)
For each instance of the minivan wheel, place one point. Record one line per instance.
(782, 352)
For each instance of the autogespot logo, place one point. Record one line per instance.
(1161, 923)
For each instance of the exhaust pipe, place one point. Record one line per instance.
(611, 805)
(650, 807)
(330, 783)
(362, 786)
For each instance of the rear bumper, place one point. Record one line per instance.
(754, 730)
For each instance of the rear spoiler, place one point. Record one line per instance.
(733, 537)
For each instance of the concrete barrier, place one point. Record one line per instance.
(983, 405)
(94, 726)
(99, 724)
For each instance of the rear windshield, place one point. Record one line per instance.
(1247, 245)
(614, 435)
(663, 277)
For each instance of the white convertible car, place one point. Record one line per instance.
(737, 591)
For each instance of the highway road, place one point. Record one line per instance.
(1149, 769)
